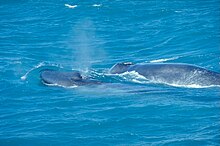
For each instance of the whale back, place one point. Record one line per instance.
(182, 74)
(120, 67)
(66, 79)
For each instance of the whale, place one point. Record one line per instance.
(170, 73)
(65, 78)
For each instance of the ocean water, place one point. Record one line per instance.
(91, 36)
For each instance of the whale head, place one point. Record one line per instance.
(61, 78)
(120, 67)
(76, 76)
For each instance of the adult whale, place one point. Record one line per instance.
(66, 79)
(170, 73)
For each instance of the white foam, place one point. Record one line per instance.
(96, 5)
(133, 74)
(192, 86)
(163, 60)
(70, 6)
(74, 86)
(24, 77)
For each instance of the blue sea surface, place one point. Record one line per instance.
(91, 36)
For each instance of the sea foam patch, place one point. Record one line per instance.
(70, 6)
(96, 5)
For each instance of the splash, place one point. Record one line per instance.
(135, 77)
(24, 77)
(40, 65)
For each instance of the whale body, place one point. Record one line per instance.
(66, 79)
(170, 73)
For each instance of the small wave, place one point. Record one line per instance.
(164, 42)
(70, 6)
(177, 11)
(163, 60)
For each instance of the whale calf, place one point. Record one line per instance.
(170, 73)
(66, 79)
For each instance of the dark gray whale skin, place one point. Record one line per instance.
(171, 73)
(65, 79)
